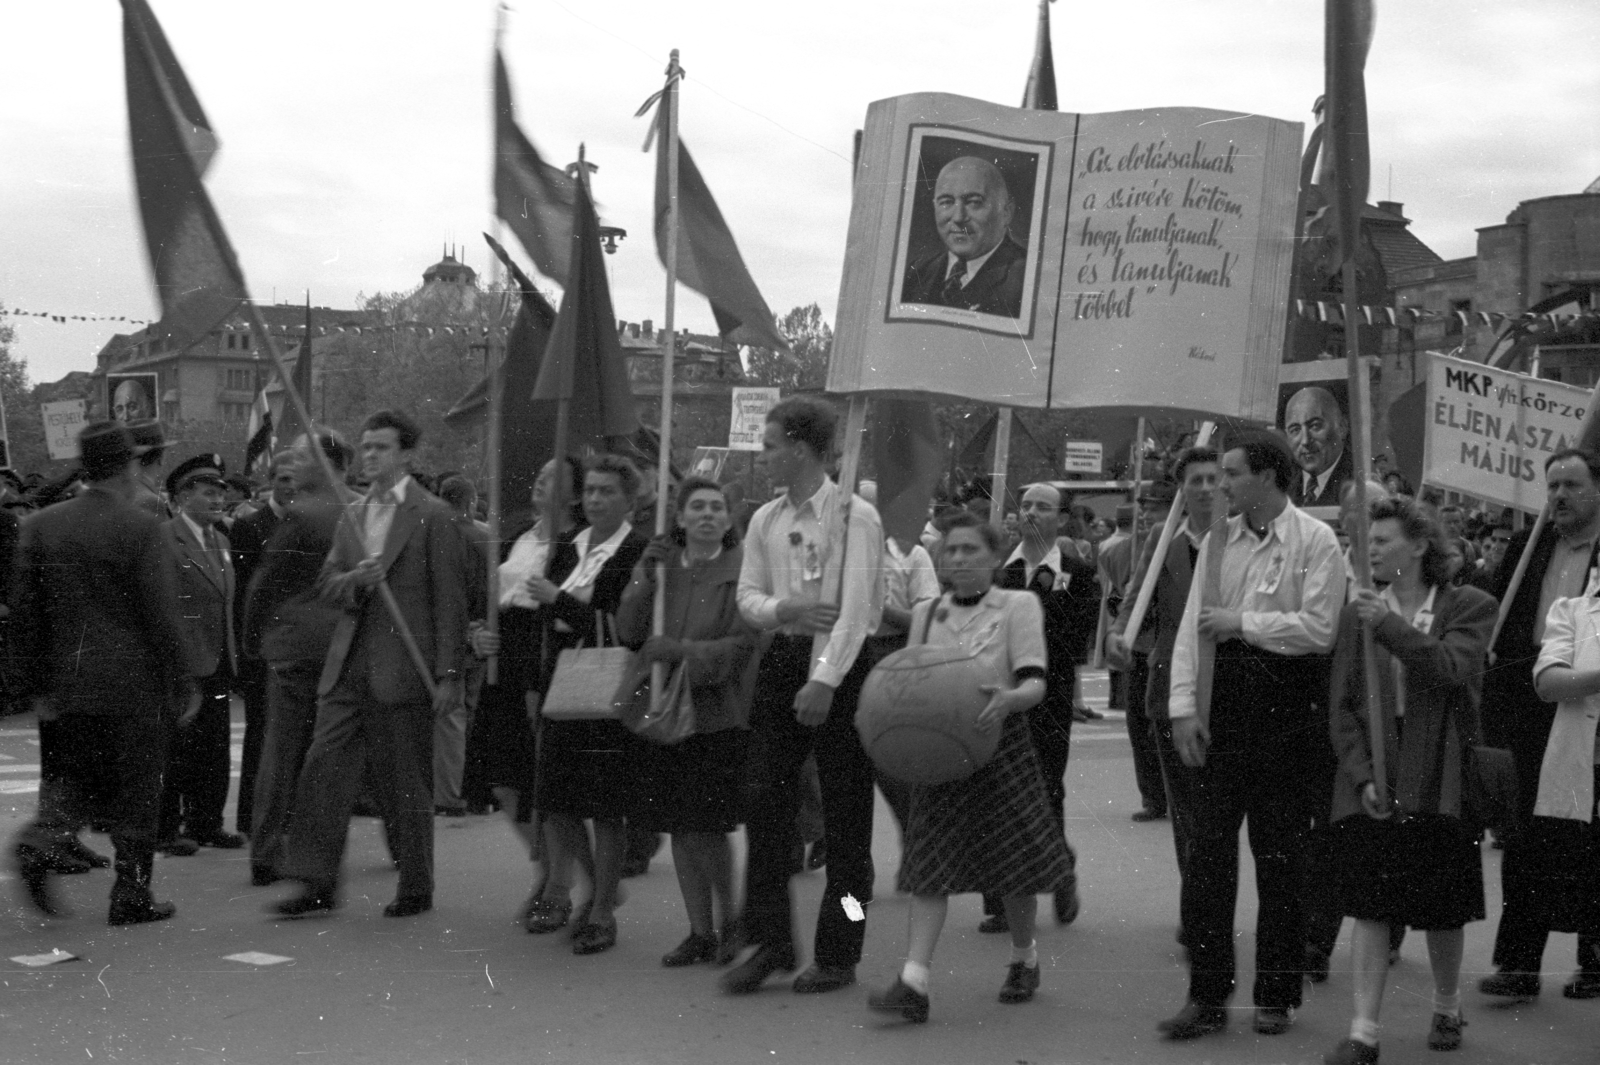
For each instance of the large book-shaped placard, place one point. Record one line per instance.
(1136, 259)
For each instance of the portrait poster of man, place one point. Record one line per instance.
(131, 397)
(969, 219)
(1314, 415)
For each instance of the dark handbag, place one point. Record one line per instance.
(1489, 788)
(668, 720)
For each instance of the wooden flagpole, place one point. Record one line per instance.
(1002, 459)
(275, 357)
(669, 345)
(1147, 590)
(492, 465)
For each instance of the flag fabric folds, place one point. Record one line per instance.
(583, 363)
(260, 431)
(289, 423)
(708, 259)
(536, 200)
(1348, 37)
(1040, 92)
(907, 454)
(197, 276)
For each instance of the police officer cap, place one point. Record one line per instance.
(202, 469)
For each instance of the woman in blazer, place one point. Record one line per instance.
(588, 770)
(1406, 855)
(692, 787)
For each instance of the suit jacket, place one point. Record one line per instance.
(1343, 470)
(1071, 616)
(1159, 632)
(95, 609)
(422, 562)
(995, 289)
(285, 618)
(248, 538)
(1443, 678)
(609, 584)
(475, 546)
(205, 599)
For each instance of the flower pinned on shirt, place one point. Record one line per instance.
(794, 538)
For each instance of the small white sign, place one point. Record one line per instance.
(1084, 456)
(62, 423)
(256, 957)
(750, 407)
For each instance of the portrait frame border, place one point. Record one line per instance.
(1044, 165)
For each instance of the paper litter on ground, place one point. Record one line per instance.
(35, 961)
(256, 957)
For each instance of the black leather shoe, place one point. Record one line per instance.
(409, 906)
(262, 875)
(820, 979)
(92, 858)
(141, 912)
(178, 847)
(1066, 904)
(994, 924)
(1351, 1052)
(594, 938)
(33, 870)
(63, 863)
(900, 997)
(1584, 984)
(1022, 980)
(692, 951)
(222, 841)
(1147, 814)
(1194, 1021)
(1273, 1020)
(313, 900)
(1316, 966)
(747, 978)
(1511, 985)
(1445, 1032)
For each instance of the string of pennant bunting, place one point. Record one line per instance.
(1325, 311)
(17, 312)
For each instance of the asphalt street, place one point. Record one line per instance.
(222, 982)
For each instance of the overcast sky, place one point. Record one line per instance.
(356, 133)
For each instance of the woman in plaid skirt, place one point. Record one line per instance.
(992, 831)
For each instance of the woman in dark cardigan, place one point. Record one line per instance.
(588, 770)
(692, 787)
(1408, 856)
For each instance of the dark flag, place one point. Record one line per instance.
(291, 427)
(1040, 93)
(260, 442)
(532, 197)
(583, 362)
(906, 452)
(1347, 40)
(197, 276)
(527, 425)
(708, 259)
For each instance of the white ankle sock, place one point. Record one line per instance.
(1364, 1031)
(1028, 955)
(1447, 1004)
(915, 977)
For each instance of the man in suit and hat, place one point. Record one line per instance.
(197, 785)
(103, 665)
(374, 706)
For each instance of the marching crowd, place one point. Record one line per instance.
(349, 610)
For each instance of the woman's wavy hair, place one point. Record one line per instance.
(1416, 523)
(688, 487)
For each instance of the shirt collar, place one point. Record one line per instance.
(816, 500)
(972, 265)
(278, 509)
(581, 541)
(1276, 528)
(1425, 610)
(194, 527)
(399, 489)
(1051, 560)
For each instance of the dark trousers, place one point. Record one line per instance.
(95, 767)
(1260, 770)
(1527, 874)
(845, 773)
(1142, 736)
(356, 733)
(291, 721)
(197, 777)
(252, 687)
(1051, 732)
(1179, 783)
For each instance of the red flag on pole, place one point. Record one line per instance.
(532, 197)
(584, 361)
(197, 276)
(1345, 146)
(708, 259)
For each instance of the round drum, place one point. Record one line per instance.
(918, 713)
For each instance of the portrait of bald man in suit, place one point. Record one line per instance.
(980, 266)
(1318, 434)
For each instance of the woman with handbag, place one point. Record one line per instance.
(692, 783)
(587, 769)
(1407, 855)
(504, 726)
(992, 831)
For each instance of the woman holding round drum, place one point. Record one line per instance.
(991, 831)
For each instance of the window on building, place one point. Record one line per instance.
(244, 341)
(240, 381)
(231, 341)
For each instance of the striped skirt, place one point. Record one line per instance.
(991, 832)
